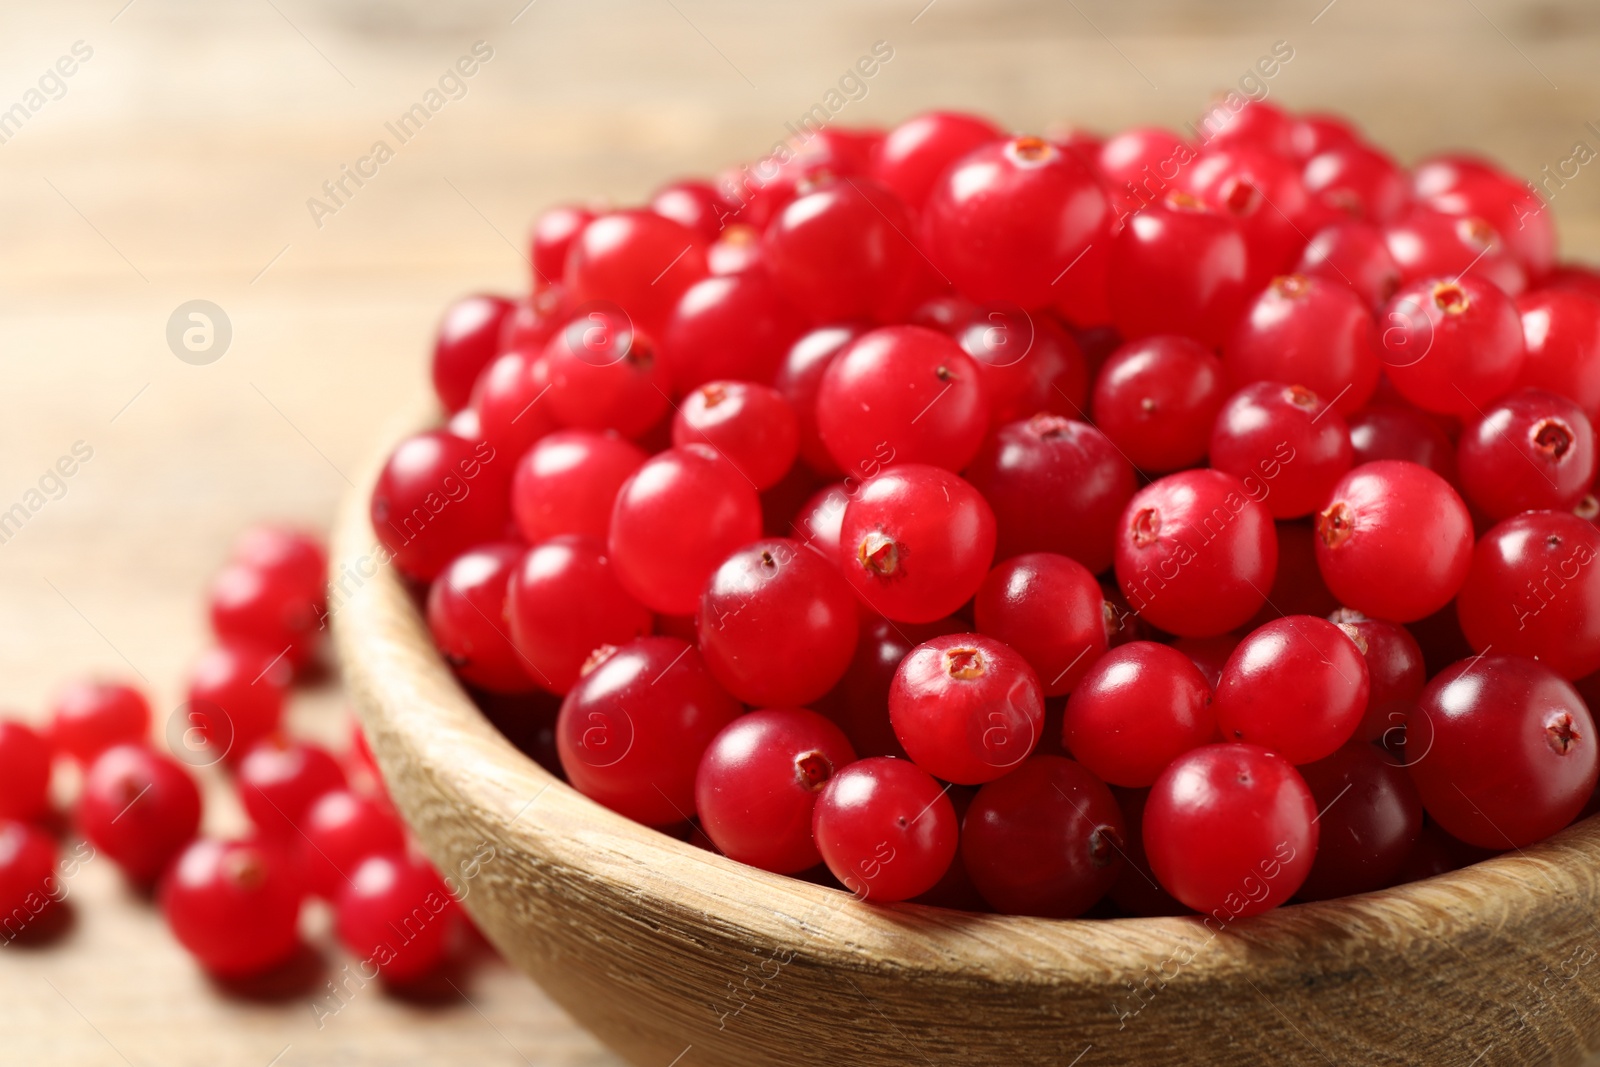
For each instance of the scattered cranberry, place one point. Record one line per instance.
(271, 610)
(967, 708)
(138, 807)
(1139, 707)
(340, 829)
(24, 772)
(28, 883)
(236, 697)
(280, 780)
(89, 717)
(397, 916)
(885, 829)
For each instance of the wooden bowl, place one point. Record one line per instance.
(674, 956)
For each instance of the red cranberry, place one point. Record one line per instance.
(859, 704)
(1157, 400)
(1044, 840)
(532, 321)
(1370, 818)
(563, 602)
(468, 338)
(1527, 432)
(1179, 267)
(1048, 608)
(28, 882)
(89, 717)
(1396, 672)
(885, 829)
(438, 496)
(138, 807)
(1136, 890)
(397, 916)
(1297, 686)
(1517, 213)
(340, 830)
(799, 380)
(1252, 124)
(1393, 431)
(568, 481)
(1352, 254)
(735, 326)
(1210, 654)
(1263, 192)
(235, 906)
(967, 708)
(24, 772)
(1284, 443)
(553, 233)
(1451, 346)
(1308, 332)
(466, 617)
(511, 400)
(758, 782)
(817, 522)
(1358, 180)
(236, 697)
(258, 607)
(1027, 364)
(1141, 163)
(605, 374)
(635, 260)
(751, 426)
(915, 153)
(1297, 588)
(1502, 751)
(288, 555)
(279, 781)
(1561, 331)
(1139, 707)
(1427, 245)
(736, 251)
(693, 204)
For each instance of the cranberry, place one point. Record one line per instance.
(1467, 188)
(1427, 245)
(817, 522)
(758, 782)
(675, 520)
(751, 426)
(24, 772)
(1533, 590)
(1297, 686)
(553, 233)
(1196, 553)
(1561, 331)
(915, 153)
(736, 326)
(902, 394)
(236, 697)
(1451, 346)
(917, 542)
(235, 906)
(605, 374)
(1359, 180)
(1297, 588)
(1308, 332)
(1044, 840)
(255, 606)
(512, 403)
(89, 717)
(1056, 485)
(465, 613)
(397, 916)
(1141, 163)
(1252, 124)
(1210, 654)
(563, 602)
(637, 261)
(1231, 830)
(340, 829)
(1355, 255)
(1050, 610)
(1284, 443)
(138, 807)
(1370, 818)
(800, 378)
(1527, 432)
(1026, 364)
(1179, 267)
(1394, 518)
(1136, 890)
(693, 204)
(1157, 400)
(1396, 672)
(28, 883)
(438, 496)
(568, 481)
(287, 555)
(737, 250)
(1502, 751)
(1263, 192)
(885, 829)
(967, 708)
(634, 726)
(279, 781)
(1393, 431)
(1573, 277)
(1139, 707)
(468, 338)
(860, 702)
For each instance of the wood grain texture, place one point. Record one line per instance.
(661, 947)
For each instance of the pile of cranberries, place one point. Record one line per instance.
(235, 904)
(1037, 525)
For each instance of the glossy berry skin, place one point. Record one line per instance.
(287, 554)
(1139, 707)
(1561, 332)
(28, 882)
(24, 772)
(248, 605)
(1056, 485)
(1007, 221)
(234, 905)
(1450, 346)
(1355, 255)
(236, 697)
(885, 829)
(917, 542)
(279, 781)
(1393, 431)
(799, 380)
(605, 374)
(1230, 830)
(1502, 751)
(1157, 399)
(397, 915)
(915, 153)
(1263, 193)
(736, 326)
(632, 730)
(902, 394)
(1297, 686)
(467, 618)
(777, 624)
(1358, 180)
(1178, 267)
(675, 520)
(1532, 450)
(758, 782)
(1308, 332)
(1140, 163)
(1026, 363)
(438, 495)
(1370, 820)
(967, 708)
(1426, 244)
(1050, 610)
(553, 233)
(1468, 188)
(1533, 590)
(88, 717)
(691, 203)
(751, 426)
(859, 704)
(1396, 672)
(1285, 443)
(817, 522)
(510, 401)
(1393, 518)
(568, 481)
(1045, 840)
(1196, 553)
(1255, 125)
(843, 251)
(340, 829)
(138, 807)
(637, 261)
(468, 338)
(563, 601)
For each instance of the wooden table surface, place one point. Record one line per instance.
(176, 163)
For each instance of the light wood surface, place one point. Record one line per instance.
(178, 164)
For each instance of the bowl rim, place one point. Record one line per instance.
(425, 727)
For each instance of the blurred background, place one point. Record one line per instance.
(176, 164)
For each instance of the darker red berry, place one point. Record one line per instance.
(467, 618)
(1157, 400)
(1048, 608)
(1369, 818)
